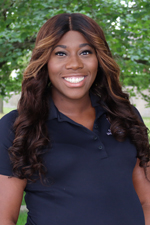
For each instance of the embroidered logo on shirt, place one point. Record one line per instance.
(109, 132)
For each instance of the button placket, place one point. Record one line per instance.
(95, 138)
(98, 143)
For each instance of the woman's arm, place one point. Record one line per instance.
(11, 193)
(142, 187)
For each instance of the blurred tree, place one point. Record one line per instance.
(125, 23)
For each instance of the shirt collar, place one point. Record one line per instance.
(96, 103)
(54, 112)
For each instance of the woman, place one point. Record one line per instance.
(75, 139)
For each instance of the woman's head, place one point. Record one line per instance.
(52, 32)
(72, 67)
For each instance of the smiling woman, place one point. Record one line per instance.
(72, 68)
(73, 143)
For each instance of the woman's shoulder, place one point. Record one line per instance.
(12, 115)
(136, 111)
(7, 136)
(7, 121)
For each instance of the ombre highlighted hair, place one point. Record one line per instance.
(31, 133)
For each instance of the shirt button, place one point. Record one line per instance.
(100, 147)
(96, 126)
(95, 138)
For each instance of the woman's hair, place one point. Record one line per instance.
(31, 134)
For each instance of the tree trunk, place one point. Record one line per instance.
(1, 105)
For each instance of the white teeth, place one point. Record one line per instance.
(74, 80)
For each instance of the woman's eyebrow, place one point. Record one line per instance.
(62, 46)
(81, 45)
(85, 44)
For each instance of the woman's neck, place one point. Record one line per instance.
(72, 107)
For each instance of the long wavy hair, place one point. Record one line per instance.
(31, 134)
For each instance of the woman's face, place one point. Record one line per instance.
(72, 67)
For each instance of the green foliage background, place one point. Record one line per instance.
(126, 25)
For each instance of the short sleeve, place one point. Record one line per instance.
(6, 139)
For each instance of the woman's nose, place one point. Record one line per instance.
(74, 62)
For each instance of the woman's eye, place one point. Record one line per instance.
(60, 53)
(86, 52)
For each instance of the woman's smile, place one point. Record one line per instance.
(74, 80)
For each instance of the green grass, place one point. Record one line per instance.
(23, 215)
(22, 218)
(23, 200)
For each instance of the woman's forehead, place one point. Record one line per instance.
(72, 38)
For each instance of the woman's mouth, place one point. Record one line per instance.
(74, 80)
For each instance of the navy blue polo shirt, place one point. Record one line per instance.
(89, 174)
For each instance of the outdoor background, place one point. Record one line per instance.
(126, 25)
